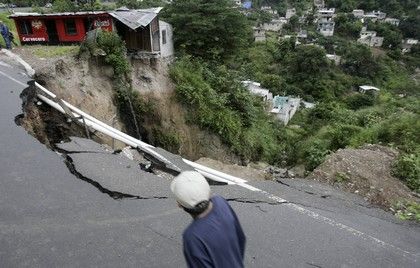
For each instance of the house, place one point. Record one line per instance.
(238, 3)
(274, 25)
(326, 26)
(290, 12)
(392, 21)
(269, 10)
(334, 58)
(369, 38)
(259, 34)
(318, 4)
(256, 89)
(358, 13)
(303, 34)
(379, 14)
(326, 13)
(408, 43)
(284, 108)
(364, 89)
(140, 29)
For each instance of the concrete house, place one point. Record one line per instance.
(364, 89)
(256, 89)
(326, 13)
(284, 108)
(334, 58)
(358, 13)
(369, 38)
(290, 12)
(326, 26)
(269, 10)
(408, 43)
(259, 34)
(274, 25)
(392, 21)
(318, 4)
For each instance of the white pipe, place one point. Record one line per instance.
(93, 119)
(214, 172)
(114, 133)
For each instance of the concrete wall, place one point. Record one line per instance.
(167, 49)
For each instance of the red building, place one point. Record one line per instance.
(140, 29)
(59, 27)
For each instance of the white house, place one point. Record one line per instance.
(408, 43)
(166, 39)
(274, 25)
(290, 12)
(259, 34)
(392, 21)
(256, 89)
(334, 58)
(358, 13)
(364, 89)
(284, 108)
(318, 4)
(326, 13)
(326, 26)
(269, 10)
(369, 38)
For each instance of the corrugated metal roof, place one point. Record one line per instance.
(136, 18)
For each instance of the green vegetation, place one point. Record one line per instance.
(211, 30)
(12, 27)
(217, 102)
(206, 77)
(408, 210)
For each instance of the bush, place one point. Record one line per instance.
(407, 168)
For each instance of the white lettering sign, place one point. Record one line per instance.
(33, 39)
(101, 23)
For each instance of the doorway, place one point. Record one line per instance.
(52, 32)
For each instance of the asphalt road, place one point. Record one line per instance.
(52, 218)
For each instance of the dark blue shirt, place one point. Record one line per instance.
(216, 240)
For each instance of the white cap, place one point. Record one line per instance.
(190, 188)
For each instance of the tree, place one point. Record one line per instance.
(210, 29)
(358, 60)
(308, 60)
(64, 6)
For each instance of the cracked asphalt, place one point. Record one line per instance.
(61, 210)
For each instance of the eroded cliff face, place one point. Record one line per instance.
(88, 85)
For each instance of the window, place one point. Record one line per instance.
(163, 37)
(70, 27)
(25, 27)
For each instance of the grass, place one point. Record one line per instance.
(39, 50)
(12, 27)
(54, 51)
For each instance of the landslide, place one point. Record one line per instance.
(88, 85)
(365, 171)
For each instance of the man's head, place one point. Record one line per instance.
(192, 192)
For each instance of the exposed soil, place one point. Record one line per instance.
(365, 171)
(87, 84)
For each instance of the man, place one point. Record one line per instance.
(215, 237)
(6, 34)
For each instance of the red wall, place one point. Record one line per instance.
(63, 37)
(39, 30)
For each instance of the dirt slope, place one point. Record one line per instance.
(365, 171)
